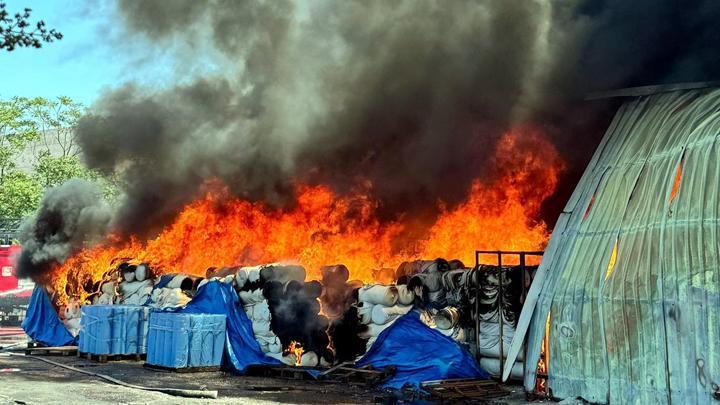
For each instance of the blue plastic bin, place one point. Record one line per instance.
(114, 329)
(185, 340)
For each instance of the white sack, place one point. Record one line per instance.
(129, 276)
(141, 272)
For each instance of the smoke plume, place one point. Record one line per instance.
(408, 96)
(70, 216)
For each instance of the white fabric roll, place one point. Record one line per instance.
(309, 359)
(253, 273)
(365, 313)
(381, 315)
(275, 347)
(260, 327)
(249, 310)
(176, 282)
(106, 299)
(241, 277)
(108, 288)
(379, 294)
(492, 366)
(130, 288)
(141, 272)
(251, 297)
(261, 312)
(129, 276)
(229, 279)
(405, 295)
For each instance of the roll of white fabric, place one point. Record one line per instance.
(374, 330)
(261, 312)
(141, 272)
(381, 315)
(129, 276)
(105, 299)
(229, 279)
(249, 310)
(492, 366)
(72, 325)
(130, 288)
(275, 347)
(241, 277)
(251, 297)
(176, 281)
(253, 273)
(405, 295)
(108, 288)
(309, 359)
(365, 313)
(260, 327)
(378, 294)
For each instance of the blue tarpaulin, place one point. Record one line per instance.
(419, 354)
(242, 350)
(42, 322)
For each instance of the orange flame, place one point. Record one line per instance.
(296, 349)
(324, 228)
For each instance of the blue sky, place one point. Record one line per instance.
(94, 55)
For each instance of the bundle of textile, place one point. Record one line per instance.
(379, 306)
(173, 290)
(257, 309)
(71, 317)
(136, 285)
(498, 301)
(108, 295)
(285, 312)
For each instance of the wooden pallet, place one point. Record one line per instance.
(51, 351)
(464, 389)
(348, 374)
(104, 358)
(204, 369)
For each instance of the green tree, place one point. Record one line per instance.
(19, 195)
(38, 150)
(17, 31)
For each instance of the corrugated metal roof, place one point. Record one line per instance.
(646, 329)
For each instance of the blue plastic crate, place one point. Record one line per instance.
(185, 340)
(114, 329)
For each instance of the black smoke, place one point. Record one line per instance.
(410, 96)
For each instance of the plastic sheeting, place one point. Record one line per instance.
(419, 354)
(185, 340)
(241, 348)
(42, 323)
(633, 265)
(114, 329)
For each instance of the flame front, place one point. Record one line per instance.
(324, 228)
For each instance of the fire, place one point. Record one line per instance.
(296, 349)
(324, 228)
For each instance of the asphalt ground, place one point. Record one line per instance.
(25, 380)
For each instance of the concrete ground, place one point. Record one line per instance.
(29, 381)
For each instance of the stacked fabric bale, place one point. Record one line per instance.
(285, 312)
(172, 291)
(379, 306)
(258, 310)
(136, 285)
(108, 294)
(499, 297)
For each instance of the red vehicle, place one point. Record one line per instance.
(14, 293)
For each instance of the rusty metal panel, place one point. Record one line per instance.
(633, 287)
